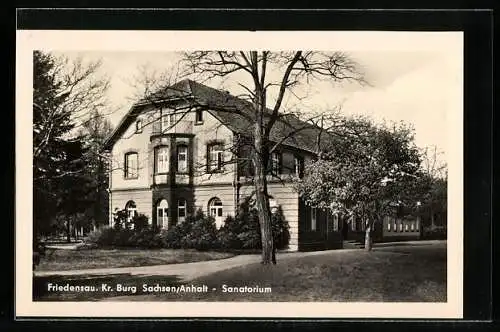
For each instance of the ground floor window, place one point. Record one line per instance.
(215, 209)
(181, 210)
(162, 214)
(313, 219)
(131, 209)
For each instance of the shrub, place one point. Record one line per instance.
(145, 238)
(243, 231)
(102, 236)
(227, 236)
(140, 222)
(203, 234)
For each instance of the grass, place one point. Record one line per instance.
(392, 274)
(62, 259)
(416, 274)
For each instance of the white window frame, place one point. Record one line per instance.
(131, 210)
(131, 172)
(335, 222)
(275, 163)
(164, 211)
(182, 165)
(314, 216)
(200, 113)
(215, 157)
(216, 210)
(161, 162)
(298, 165)
(181, 207)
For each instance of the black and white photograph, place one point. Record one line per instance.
(293, 174)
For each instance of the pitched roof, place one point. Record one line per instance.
(233, 112)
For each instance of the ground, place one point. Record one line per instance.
(403, 273)
(62, 260)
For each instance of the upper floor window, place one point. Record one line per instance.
(131, 165)
(182, 159)
(167, 121)
(161, 159)
(138, 126)
(215, 157)
(275, 163)
(299, 166)
(199, 116)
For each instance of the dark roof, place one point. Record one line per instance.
(235, 113)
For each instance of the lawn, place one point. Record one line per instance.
(400, 274)
(62, 259)
(392, 274)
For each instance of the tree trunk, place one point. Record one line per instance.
(433, 223)
(262, 199)
(368, 237)
(68, 231)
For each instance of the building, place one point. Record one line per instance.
(186, 148)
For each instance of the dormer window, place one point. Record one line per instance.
(299, 166)
(199, 117)
(275, 163)
(138, 126)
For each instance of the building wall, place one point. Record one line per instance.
(225, 192)
(396, 228)
(210, 130)
(286, 197)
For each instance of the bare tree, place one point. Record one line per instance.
(268, 78)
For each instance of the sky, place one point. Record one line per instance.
(414, 86)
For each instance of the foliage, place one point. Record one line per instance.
(62, 93)
(366, 169)
(243, 231)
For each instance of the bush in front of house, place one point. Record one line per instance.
(203, 235)
(243, 231)
(196, 232)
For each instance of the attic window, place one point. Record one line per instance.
(138, 126)
(199, 117)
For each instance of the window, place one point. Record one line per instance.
(353, 223)
(412, 226)
(199, 117)
(313, 219)
(275, 163)
(131, 165)
(215, 210)
(215, 158)
(401, 226)
(162, 214)
(335, 222)
(164, 122)
(161, 159)
(131, 209)
(181, 210)
(182, 166)
(406, 227)
(138, 126)
(299, 166)
(389, 226)
(167, 121)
